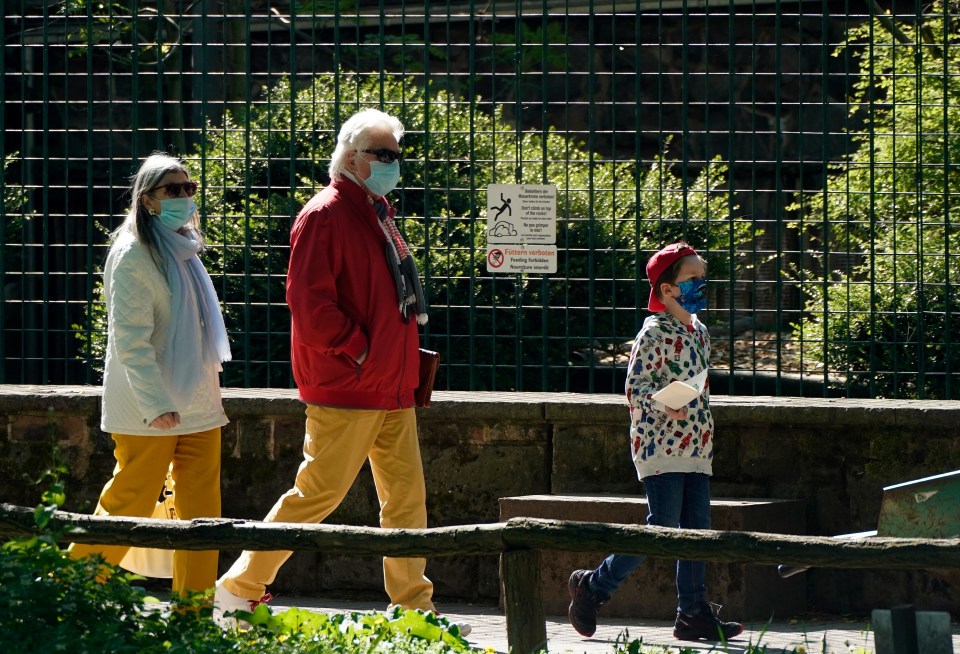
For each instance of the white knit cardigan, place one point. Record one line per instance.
(138, 307)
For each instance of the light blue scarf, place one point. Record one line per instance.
(197, 336)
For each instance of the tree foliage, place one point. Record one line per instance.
(892, 210)
(258, 167)
(55, 603)
(611, 215)
(14, 200)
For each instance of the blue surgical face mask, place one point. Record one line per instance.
(693, 295)
(383, 177)
(177, 212)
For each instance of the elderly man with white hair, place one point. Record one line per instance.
(355, 300)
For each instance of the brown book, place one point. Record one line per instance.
(429, 364)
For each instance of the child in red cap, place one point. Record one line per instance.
(672, 448)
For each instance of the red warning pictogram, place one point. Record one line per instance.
(495, 258)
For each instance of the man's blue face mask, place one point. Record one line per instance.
(693, 295)
(383, 177)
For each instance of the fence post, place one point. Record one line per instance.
(903, 619)
(523, 601)
(903, 630)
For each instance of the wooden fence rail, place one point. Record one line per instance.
(518, 541)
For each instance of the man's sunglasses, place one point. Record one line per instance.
(173, 190)
(386, 155)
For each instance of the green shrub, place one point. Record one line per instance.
(891, 212)
(495, 331)
(54, 603)
(14, 200)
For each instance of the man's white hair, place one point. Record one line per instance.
(355, 136)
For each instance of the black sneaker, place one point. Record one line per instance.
(702, 623)
(584, 603)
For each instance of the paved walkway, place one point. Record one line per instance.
(828, 636)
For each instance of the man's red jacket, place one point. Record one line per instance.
(343, 301)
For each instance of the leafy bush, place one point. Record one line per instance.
(892, 211)
(611, 216)
(54, 603)
(495, 331)
(14, 200)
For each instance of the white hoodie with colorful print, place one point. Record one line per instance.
(666, 350)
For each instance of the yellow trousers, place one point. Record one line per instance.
(336, 444)
(142, 464)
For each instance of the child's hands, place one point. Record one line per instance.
(676, 414)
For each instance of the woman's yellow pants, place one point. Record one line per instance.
(142, 465)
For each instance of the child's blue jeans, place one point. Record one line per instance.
(675, 499)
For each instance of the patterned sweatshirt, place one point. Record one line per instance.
(666, 350)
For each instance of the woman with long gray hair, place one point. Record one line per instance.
(166, 341)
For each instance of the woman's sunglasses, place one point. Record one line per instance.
(173, 189)
(386, 155)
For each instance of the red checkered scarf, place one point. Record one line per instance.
(391, 228)
(402, 266)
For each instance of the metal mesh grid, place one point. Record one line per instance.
(806, 149)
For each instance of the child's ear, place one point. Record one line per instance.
(665, 290)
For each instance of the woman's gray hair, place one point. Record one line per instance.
(138, 220)
(355, 135)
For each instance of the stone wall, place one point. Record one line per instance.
(835, 454)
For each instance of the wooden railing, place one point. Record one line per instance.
(518, 541)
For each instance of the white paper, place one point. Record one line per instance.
(680, 393)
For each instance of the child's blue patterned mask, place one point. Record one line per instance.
(693, 295)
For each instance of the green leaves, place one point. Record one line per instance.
(259, 166)
(54, 603)
(889, 217)
(405, 630)
(53, 496)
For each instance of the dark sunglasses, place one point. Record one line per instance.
(173, 190)
(386, 155)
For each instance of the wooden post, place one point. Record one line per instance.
(523, 601)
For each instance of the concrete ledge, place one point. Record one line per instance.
(747, 592)
(559, 407)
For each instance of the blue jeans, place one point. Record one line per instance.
(675, 499)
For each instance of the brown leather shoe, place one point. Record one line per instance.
(703, 623)
(584, 603)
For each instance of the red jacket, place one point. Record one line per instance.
(343, 301)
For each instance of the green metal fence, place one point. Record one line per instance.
(808, 149)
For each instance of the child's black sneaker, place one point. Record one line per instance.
(584, 603)
(702, 623)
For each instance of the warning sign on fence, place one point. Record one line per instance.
(522, 228)
(522, 213)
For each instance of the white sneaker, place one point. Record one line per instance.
(465, 627)
(226, 602)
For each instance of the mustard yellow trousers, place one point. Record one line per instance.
(142, 465)
(336, 444)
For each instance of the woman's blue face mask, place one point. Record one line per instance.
(176, 212)
(693, 295)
